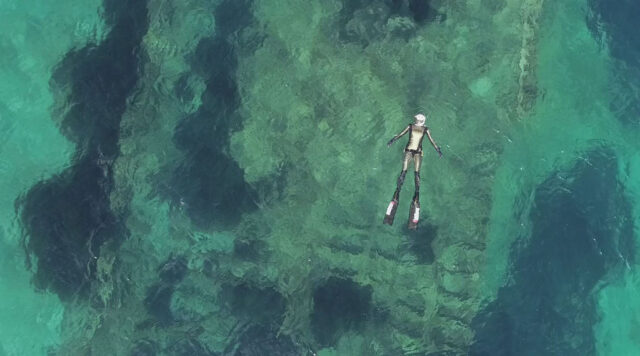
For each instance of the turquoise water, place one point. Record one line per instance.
(209, 177)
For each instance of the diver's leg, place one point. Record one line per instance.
(417, 160)
(393, 205)
(414, 211)
(399, 183)
(405, 167)
(405, 160)
(416, 195)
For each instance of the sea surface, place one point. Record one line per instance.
(210, 177)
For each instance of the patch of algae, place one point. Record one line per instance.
(108, 323)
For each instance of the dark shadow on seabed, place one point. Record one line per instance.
(339, 305)
(208, 181)
(68, 217)
(210, 185)
(364, 22)
(419, 241)
(582, 234)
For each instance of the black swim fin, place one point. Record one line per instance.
(391, 212)
(414, 215)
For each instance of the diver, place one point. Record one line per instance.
(413, 150)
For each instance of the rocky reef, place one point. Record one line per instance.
(528, 91)
(230, 175)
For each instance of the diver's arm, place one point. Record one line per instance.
(434, 143)
(396, 137)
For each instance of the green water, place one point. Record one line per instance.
(577, 76)
(250, 177)
(33, 40)
(574, 74)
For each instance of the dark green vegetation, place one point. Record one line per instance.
(68, 217)
(209, 182)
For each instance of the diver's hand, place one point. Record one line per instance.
(439, 152)
(390, 142)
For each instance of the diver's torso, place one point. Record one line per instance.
(416, 134)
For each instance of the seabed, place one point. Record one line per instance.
(209, 177)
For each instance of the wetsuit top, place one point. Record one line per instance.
(416, 135)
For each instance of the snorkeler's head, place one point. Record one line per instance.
(420, 119)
